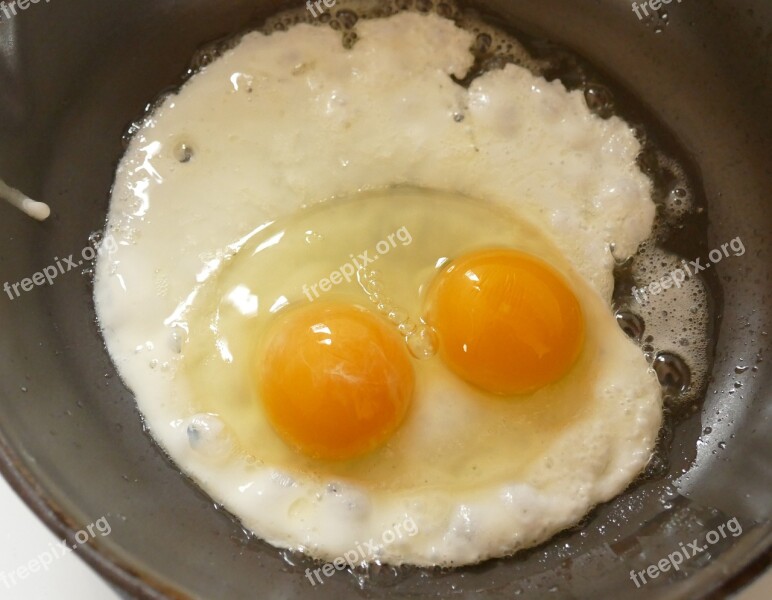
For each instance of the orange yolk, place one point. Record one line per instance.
(336, 381)
(507, 322)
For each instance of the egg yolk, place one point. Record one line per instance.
(507, 322)
(336, 380)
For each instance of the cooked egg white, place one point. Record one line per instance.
(289, 156)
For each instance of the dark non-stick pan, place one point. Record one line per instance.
(74, 74)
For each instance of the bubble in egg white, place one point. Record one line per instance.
(209, 436)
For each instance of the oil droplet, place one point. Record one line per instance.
(444, 10)
(632, 324)
(95, 239)
(398, 316)
(672, 372)
(423, 342)
(183, 152)
(599, 100)
(406, 328)
(349, 39)
(482, 44)
(347, 18)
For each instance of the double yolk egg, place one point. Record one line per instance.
(292, 391)
(337, 380)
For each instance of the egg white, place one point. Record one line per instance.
(287, 120)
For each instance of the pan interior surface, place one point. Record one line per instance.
(74, 75)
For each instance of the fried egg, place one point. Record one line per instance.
(340, 306)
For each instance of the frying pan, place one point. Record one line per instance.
(74, 74)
